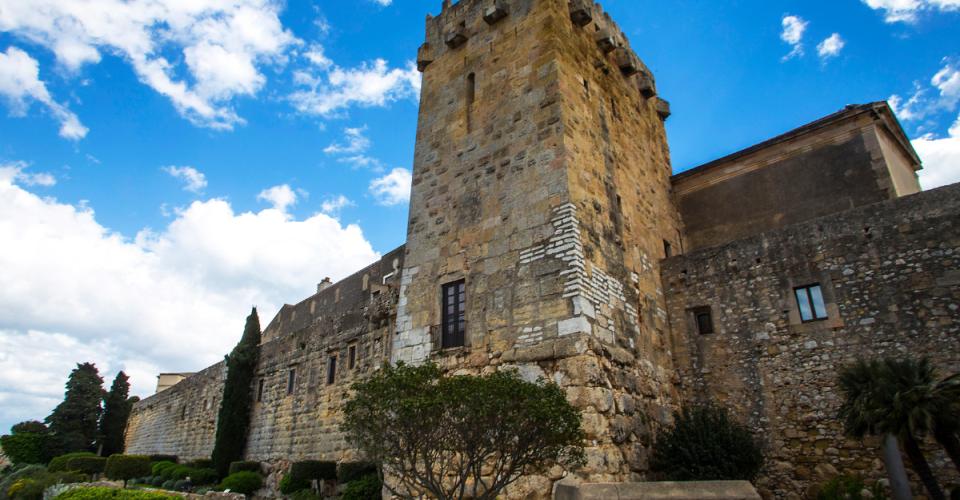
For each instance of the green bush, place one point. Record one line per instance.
(245, 482)
(182, 485)
(59, 464)
(87, 465)
(157, 481)
(124, 467)
(168, 484)
(366, 488)
(180, 472)
(25, 448)
(842, 488)
(164, 458)
(24, 472)
(202, 477)
(305, 495)
(32, 485)
(705, 444)
(101, 493)
(159, 468)
(27, 489)
(200, 463)
(352, 471)
(244, 465)
(290, 485)
(314, 469)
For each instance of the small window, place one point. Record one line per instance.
(667, 249)
(351, 357)
(811, 303)
(331, 370)
(704, 320)
(454, 315)
(260, 390)
(291, 380)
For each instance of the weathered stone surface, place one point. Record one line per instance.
(705, 490)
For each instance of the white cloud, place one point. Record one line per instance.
(945, 83)
(14, 172)
(908, 10)
(831, 47)
(193, 180)
(941, 159)
(20, 83)
(383, 2)
(281, 197)
(329, 90)
(353, 142)
(200, 54)
(170, 300)
(393, 188)
(333, 206)
(793, 30)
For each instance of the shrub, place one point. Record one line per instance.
(159, 468)
(705, 444)
(366, 488)
(102, 493)
(245, 482)
(60, 463)
(27, 489)
(32, 485)
(164, 458)
(290, 485)
(87, 465)
(124, 467)
(314, 469)
(842, 488)
(25, 447)
(204, 476)
(157, 481)
(352, 471)
(306, 495)
(182, 485)
(201, 463)
(180, 472)
(168, 484)
(244, 465)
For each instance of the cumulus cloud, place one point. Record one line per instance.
(393, 188)
(353, 142)
(941, 158)
(20, 84)
(793, 29)
(908, 10)
(193, 180)
(281, 197)
(174, 299)
(831, 47)
(332, 206)
(945, 87)
(327, 90)
(199, 54)
(14, 172)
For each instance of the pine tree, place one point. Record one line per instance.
(233, 421)
(116, 410)
(73, 423)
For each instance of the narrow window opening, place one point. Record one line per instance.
(351, 357)
(454, 315)
(331, 370)
(704, 320)
(810, 302)
(667, 249)
(260, 391)
(291, 380)
(183, 413)
(471, 96)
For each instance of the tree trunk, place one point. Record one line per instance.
(922, 468)
(950, 442)
(899, 484)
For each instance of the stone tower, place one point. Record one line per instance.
(540, 209)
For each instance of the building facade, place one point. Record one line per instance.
(547, 234)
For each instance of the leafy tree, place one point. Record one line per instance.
(116, 411)
(73, 422)
(27, 443)
(901, 401)
(705, 444)
(234, 418)
(462, 436)
(127, 467)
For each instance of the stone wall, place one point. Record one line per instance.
(890, 273)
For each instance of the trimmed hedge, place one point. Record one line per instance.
(353, 471)
(244, 466)
(161, 468)
(59, 464)
(102, 493)
(245, 482)
(124, 467)
(87, 465)
(164, 458)
(203, 477)
(314, 469)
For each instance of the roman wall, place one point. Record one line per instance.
(890, 273)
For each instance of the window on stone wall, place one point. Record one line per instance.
(454, 315)
(331, 370)
(291, 380)
(667, 249)
(351, 357)
(260, 390)
(811, 303)
(704, 319)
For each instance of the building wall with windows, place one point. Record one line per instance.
(890, 279)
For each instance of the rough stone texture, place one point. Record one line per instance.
(891, 276)
(693, 490)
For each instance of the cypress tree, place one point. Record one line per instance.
(116, 411)
(73, 423)
(233, 421)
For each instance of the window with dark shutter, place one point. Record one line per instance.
(291, 380)
(454, 315)
(810, 302)
(331, 370)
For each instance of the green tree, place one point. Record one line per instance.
(73, 423)
(705, 444)
(900, 401)
(116, 411)
(234, 417)
(27, 443)
(462, 436)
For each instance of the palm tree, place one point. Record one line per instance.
(900, 398)
(946, 424)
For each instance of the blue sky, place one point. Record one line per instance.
(164, 167)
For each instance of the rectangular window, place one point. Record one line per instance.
(331, 370)
(351, 357)
(454, 315)
(811, 303)
(667, 249)
(291, 380)
(704, 320)
(260, 390)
